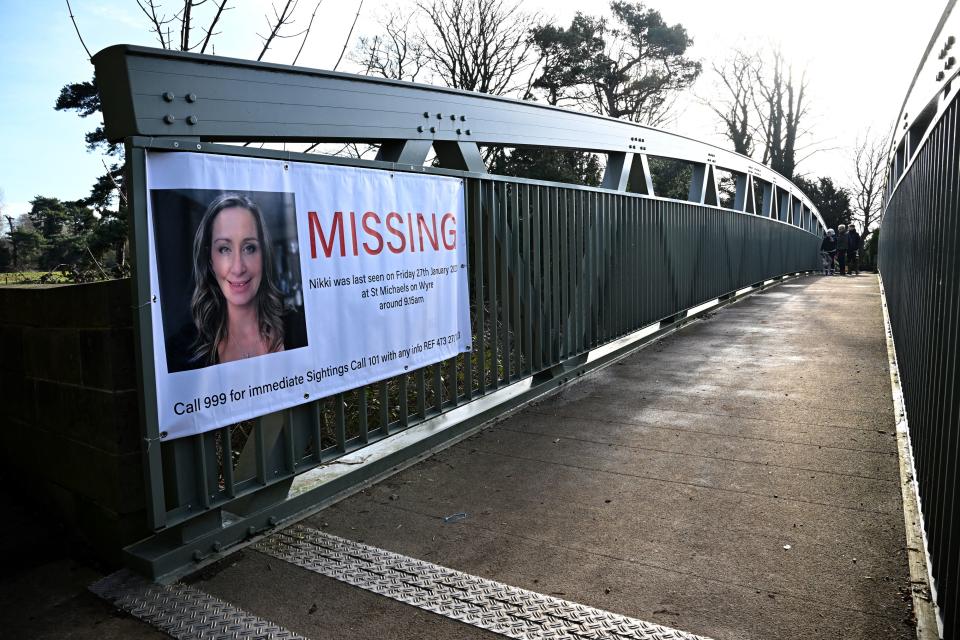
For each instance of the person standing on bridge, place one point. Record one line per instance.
(843, 246)
(853, 253)
(828, 250)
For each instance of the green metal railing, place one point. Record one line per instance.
(563, 278)
(919, 264)
(555, 272)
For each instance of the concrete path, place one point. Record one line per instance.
(738, 479)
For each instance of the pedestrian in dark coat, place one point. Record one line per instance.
(843, 245)
(828, 251)
(855, 242)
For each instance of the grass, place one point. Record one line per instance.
(34, 277)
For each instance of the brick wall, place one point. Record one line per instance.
(69, 433)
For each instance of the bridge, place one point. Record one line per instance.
(665, 422)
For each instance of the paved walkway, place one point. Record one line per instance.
(738, 479)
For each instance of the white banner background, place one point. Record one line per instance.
(350, 338)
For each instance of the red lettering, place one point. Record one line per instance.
(422, 226)
(403, 240)
(413, 247)
(451, 234)
(353, 231)
(372, 232)
(316, 232)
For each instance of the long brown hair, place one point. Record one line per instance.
(209, 307)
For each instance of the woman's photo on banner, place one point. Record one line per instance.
(229, 275)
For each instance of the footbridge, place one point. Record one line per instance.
(663, 421)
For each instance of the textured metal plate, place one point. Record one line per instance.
(494, 606)
(183, 612)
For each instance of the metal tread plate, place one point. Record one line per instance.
(183, 612)
(487, 604)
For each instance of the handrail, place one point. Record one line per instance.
(157, 92)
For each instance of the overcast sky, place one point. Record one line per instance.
(859, 57)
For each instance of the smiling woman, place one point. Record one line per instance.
(241, 297)
(236, 306)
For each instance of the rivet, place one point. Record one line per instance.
(426, 114)
(420, 129)
(463, 118)
(251, 531)
(198, 147)
(453, 117)
(167, 96)
(940, 75)
(468, 131)
(458, 131)
(197, 556)
(169, 119)
(433, 129)
(191, 97)
(439, 116)
(191, 119)
(176, 145)
(950, 41)
(216, 546)
(950, 62)
(272, 521)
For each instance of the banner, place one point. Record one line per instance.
(276, 283)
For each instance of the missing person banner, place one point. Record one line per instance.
(275, 283)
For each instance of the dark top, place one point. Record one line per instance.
(180, 355)
(855, 242)
(843, 241)
(829, 244)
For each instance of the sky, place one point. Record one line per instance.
(858, 55)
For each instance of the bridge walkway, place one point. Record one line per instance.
(736, 479)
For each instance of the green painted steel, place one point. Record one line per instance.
(920, 267)
(556, 271)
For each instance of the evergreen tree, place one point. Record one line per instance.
(831, 201)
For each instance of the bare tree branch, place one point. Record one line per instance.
(349, 35)
(870, 165)
(74, 20)
(120, 193)
(306, 33)
(282, 18)
(213, 24)
(158, 23)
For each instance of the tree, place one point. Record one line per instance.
(25, 242)
(631, 67)
(397, 53)
(475, 45)
(6, 247)
(831, 201)
(870, 167)
(781, 112)
(174, 31)
(558, 165)
(736, 106)
(763, 102)
(62, 231)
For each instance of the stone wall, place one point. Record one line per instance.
(69, 432)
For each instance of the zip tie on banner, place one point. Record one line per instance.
(150, 441)
(150, 301)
